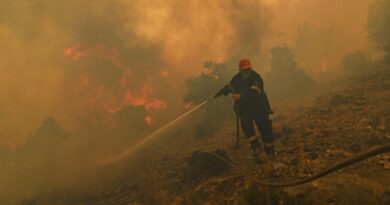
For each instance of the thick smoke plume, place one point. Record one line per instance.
(83, 79)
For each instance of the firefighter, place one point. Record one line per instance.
(252, 106)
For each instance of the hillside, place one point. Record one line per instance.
(311, 135)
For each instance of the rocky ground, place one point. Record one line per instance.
(310, 135)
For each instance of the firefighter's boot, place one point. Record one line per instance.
(256, 148)
(269, 150)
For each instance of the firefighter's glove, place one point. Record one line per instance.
(236, 96)
(256, 88)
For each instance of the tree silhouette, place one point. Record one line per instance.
(357, 61)
(285, 78)
(48, 134)
(379, 26)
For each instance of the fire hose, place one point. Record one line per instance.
(360, 157)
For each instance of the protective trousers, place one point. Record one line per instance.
(264, 125)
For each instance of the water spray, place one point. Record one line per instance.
(152, 137)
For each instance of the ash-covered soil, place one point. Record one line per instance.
(311, 135)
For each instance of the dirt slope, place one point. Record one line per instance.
(311, 135)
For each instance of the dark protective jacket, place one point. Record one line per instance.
(250, 86)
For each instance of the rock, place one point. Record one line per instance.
(312, 155)
(294, 161)
(385, 161)
(203, 165)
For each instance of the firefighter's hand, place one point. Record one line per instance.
(236, 96)
(256, 88)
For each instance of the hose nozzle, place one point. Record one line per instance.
(216, 95)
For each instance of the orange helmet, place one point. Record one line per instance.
(245, 64)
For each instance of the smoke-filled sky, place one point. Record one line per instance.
(81, 62)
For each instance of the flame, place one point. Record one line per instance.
(144, 97)
(149, 120)
(113, 98)
(73, 53)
